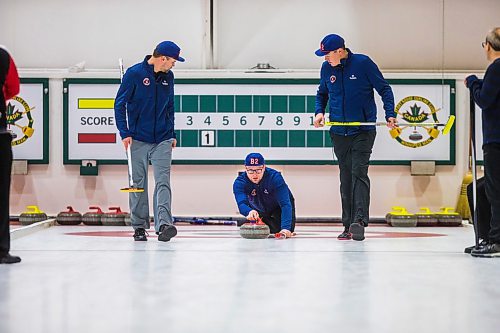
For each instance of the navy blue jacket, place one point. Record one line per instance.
(348, 87)
(267, 196)
(486, 94)
(144, 104)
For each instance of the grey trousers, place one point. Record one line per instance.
(353, 153)
(160, 155)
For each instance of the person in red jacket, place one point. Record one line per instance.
(9, 87)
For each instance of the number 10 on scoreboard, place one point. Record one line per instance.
(207, 139)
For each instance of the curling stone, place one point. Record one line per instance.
(399, 217)
(69, 217)
(447, 217)
(127, 219)
(415, 136)
(426, 218)
(254, 230)
(31, 215)
(113, 218)
(93, 218)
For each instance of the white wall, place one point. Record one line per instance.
(61, 33)
(398, 34)
(404, 35)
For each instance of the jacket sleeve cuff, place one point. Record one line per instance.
(470, 80)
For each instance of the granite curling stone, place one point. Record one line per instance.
(69, 217)
(252, 230)
(32, 215)
(93, 218)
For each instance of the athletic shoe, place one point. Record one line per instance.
(490, 250)
(358, 231)
(167, 231)
(345, 235)
(140, 235)
(470, 248)
(8, 259)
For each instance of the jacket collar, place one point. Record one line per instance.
(150, 68)
(346, 61)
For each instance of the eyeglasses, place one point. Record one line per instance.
(257, 171)
(483, 44)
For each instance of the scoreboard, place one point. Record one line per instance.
(219, 121)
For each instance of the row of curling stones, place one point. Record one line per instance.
(446, 217)
(32, 215)
(94, 217)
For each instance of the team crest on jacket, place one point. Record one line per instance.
(254, 192)
(146, 81)
(333, 78)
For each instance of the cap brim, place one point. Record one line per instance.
(320, 53)
(181, 59)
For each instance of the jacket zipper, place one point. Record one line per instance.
(156, 97)
(343, 98)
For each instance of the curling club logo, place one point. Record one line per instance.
(333, 78)
(415, 109)
(20, 120)
(146, 81)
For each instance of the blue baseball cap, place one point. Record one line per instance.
(169, 49)
(330, 43)
(254, 159)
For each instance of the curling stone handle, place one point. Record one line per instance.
(33, 209)
(425, 210)
(116, 209)
(99, 211)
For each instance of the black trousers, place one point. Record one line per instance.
(5, 170)
(353, 153)
(273, 219)
(483, 208)
(492, 185)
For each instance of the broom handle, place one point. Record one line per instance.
(472, 106)
(129, 154)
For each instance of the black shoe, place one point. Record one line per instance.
(358, 231)
(490, 250)
(345, 235)
(140, 235)
(470, 248)
(167, 231)
(8, 259)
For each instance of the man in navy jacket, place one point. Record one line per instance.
(144, 112)
(9, 87)
(486, 94)
(262, 192)
(347, 82)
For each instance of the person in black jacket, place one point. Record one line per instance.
(486, 94)
(9, 87)
(346, 84)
